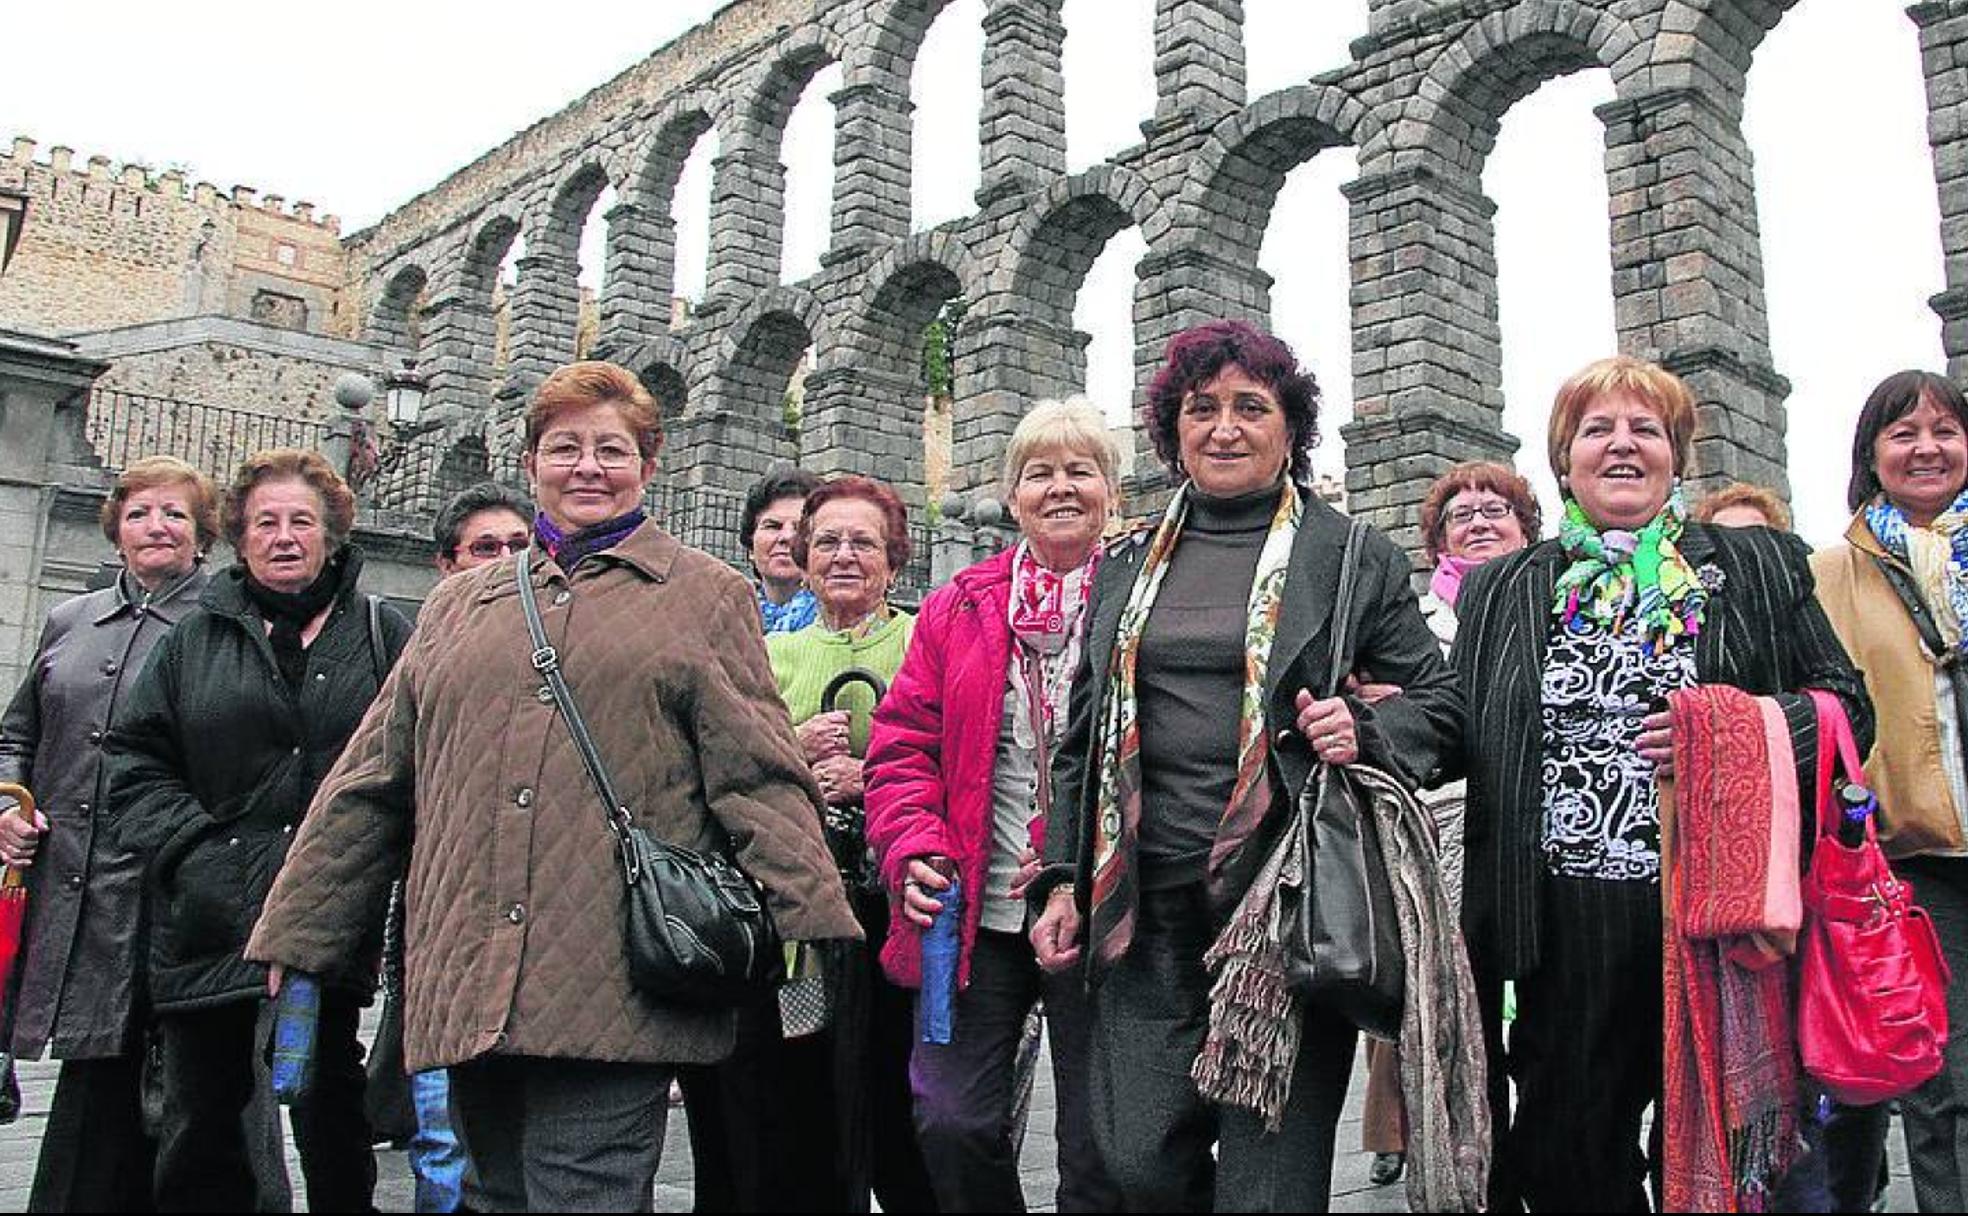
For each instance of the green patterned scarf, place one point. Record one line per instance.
(1117, 824)
(1617, 577)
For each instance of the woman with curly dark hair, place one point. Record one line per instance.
(212, 759)
(1192, 726)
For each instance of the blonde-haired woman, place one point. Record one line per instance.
(958, 786)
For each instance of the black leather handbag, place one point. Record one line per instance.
(697, 931)
(1341, 937)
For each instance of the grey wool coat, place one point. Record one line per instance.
(79, 991)
(514, 900)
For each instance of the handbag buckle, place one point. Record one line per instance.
(546, 659)
(631, 860)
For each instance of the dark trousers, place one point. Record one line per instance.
(1150, 1016)
(1504, 1196)
(1935, 1116)
(737, 1125)
(560, 1135)
(95, 1154)
(1586, 1049)
(203, 1157)
(1843, 1168)
(965, 1093)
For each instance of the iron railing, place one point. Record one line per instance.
(125, 427)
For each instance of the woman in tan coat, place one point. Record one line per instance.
(514, 971)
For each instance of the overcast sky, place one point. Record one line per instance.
(363, 104)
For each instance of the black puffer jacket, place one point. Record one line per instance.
(213, 759)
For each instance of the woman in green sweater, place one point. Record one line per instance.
(854, 1075)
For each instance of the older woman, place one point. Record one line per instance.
(1192, 727)
(1897, 593)
(768, 529)
(78, 989)
(853, 539)
(514, 972)
(1743, 505)
(959, 780)
(1473, 513)
(1564, 647)
(238, 715)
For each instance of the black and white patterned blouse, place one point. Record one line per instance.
(1601, 810)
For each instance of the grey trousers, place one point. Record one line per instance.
(1936, 1115)
(1150, 1015)
(560, 1135)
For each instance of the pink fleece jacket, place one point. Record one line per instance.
(934, 747)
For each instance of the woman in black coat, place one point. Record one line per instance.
(1564, 649)
(212, 760)
(1193, 723)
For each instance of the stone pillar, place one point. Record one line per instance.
(459, 334)
(1688, 273)
(1179, 289)
(641, 268)
(860, 421)
(871, 165)
(44, 447)
(1009, 361)
(1944, 56)
(1199, 60)
(1023, 124)
(546, 309)
(748, 198)
(1427, 349)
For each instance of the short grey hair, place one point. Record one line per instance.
(1074, 425)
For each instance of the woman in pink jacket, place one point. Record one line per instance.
(958, 787)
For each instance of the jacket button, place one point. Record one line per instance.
(109, 667)
(297, 751)
(516, 914)
(82, 807)
(75, 882)
(96, 737)
(543, 694)
(560, 600)
(524, 798)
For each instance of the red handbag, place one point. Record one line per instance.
(1872, 993)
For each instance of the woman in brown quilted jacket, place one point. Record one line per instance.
(514, 971)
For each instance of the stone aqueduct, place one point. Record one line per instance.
(1420, 104)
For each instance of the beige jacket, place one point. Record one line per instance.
(1917, 811)
(515, 896)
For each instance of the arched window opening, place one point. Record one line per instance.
(946, 89)
(1109, 65)
(1844, 312)
(504, 281)
(1305, 253)
(690, 211)
(1104, 312)
(807, 150)
(592, 275)
(1547, 177)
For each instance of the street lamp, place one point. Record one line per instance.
(403, 398)
(13, 218)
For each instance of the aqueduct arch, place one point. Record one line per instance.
(1418, 100)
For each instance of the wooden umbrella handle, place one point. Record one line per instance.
(21, 794)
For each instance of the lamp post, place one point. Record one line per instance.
(13, 219)
(403, 400)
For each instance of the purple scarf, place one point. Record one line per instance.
(1449, 573)
(568, 549)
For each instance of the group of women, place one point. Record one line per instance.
(1083, 748)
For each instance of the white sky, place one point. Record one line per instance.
(366, 103)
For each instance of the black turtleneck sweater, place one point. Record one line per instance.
(1189, 684)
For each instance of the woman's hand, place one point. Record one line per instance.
(919, 890)
(276, 975)
(1656, 742)
(1329, 727)
(19, 839)
(840, 780)
(1056, 934)
(1028, 869)
(1371, 694)
(823, 736)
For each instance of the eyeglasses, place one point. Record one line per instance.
(485, 548)
(566, 453)
(1488, 510)
(827, 544)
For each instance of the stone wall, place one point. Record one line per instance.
(109, 246)
(1419, 102)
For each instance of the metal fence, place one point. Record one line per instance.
(124, 427)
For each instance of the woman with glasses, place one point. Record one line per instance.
(852, 540)
(483, 524)
(514, 973)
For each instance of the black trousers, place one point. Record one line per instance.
(1586, 1050)
(560, 1135)
(95, 1154)
(1150, 1016)
(738, 1131)
(964, 1090)
(203, 1156)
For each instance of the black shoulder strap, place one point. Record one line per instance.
(1923, 620)
(1349, 577)
(378, 647)
(546, 661)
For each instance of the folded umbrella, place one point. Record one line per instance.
(13, 897)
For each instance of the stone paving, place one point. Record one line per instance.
(1352, 1192)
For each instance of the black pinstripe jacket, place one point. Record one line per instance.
(1765, 634)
